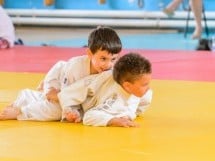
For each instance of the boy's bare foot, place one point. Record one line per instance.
(71, 115)
(168, 12)
(9, 113)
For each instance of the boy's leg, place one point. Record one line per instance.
(9, 113)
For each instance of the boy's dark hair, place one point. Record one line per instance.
(129, 67)
(104, 38)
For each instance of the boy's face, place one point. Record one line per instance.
(101, 61)
(139, 87)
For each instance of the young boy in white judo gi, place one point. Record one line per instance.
(104, 46)
(112, 98)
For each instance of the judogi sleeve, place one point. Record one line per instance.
(74, 94)
(145, 101)
(95, 117)
(101, 114)
(114, 107)
(77, 93)
(77, 68)
(53, 77)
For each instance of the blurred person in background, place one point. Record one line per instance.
(196, 7)
(7, 31)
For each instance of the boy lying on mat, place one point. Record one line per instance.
(111, 98)
(104, 46)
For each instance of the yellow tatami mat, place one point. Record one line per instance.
(179, 126)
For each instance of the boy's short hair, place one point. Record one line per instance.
(104, 38)
(130, 67)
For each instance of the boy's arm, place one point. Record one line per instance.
(112, 112)
(76, 93)
(71, 98)
(97, 117)
(51, 95)
(145, 101)
(52, 78)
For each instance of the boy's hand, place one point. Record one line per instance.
(122, 122)
(51, 95)
(40, 86)
(71, 115)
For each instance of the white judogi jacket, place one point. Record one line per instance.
(7, 30)
(103, 99)
(34, 105)
(64, 73)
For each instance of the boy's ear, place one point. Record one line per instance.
(89, 53)
(126, 85)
